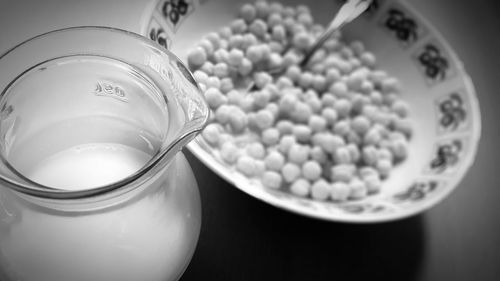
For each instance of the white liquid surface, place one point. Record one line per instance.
(88, 166)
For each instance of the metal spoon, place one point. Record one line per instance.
(350, 10)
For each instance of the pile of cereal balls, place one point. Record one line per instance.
(332, 130)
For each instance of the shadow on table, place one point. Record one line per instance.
(245, 239)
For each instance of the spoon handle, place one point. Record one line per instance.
(349, 11)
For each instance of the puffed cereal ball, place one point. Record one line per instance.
(274, 161)
(332, 76)
(273, 108)
(276, 7)
(262, 8)
(261, 98)
(302, 133)
(265, 119)
(247, 103)
(320, 190)
(214, 38)
(385, 153)
(229, 152)
(301, 112)
(358, 189)
(284, 126)
(369, 154)
(319, 83)
(360, 124)
(298, 154)
(226, 85)
(368, 59)
(330, 115)
(373, 183)
(343, 107)
(200, 76)
(238, 120)
(318, 154)
(261, 79)
(284, 83)
(311, 170)
(291, 58)
(353, 138)
(249, 39)
(404, 126)
(270, 136)
(305, 19)
(212, 132)
(339, 191)
(384, 167)
(254, 53)
(221, 55)
(399, 148)
(303, 9)
(390, 84)
(401, 108)
(215, 98)
(286, 143)
(246, 165)
(248, 12)
(275, 60)
(207, 67)
(221, 70)
(274, 19)
(235, 57)
(354, 152)
(245, 67)
(238, 26)
(222, 114)
(225, 32)
(305, 79)
(342, 172)
(342, 127)
(293, 72)
(372, 136)
(317, 123)
(328, 142)
(342, 155)
(207, 45)
(290, 172)
(339, 89)
(214, 82)
(197, 57)
(256, 150)
(258, 27)
(302, 40)
(278, 33)
(366, 171)
(301, 187)
(357, 47)
(260, 167)
(272, 179)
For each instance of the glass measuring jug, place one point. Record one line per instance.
(92, 184)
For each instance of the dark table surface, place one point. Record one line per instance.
(245, 239)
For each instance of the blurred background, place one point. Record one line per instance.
(246, 239)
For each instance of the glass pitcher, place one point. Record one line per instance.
(92, 184)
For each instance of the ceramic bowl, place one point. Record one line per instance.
(443, 103)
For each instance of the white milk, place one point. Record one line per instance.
(150, 239)
(88, 166)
